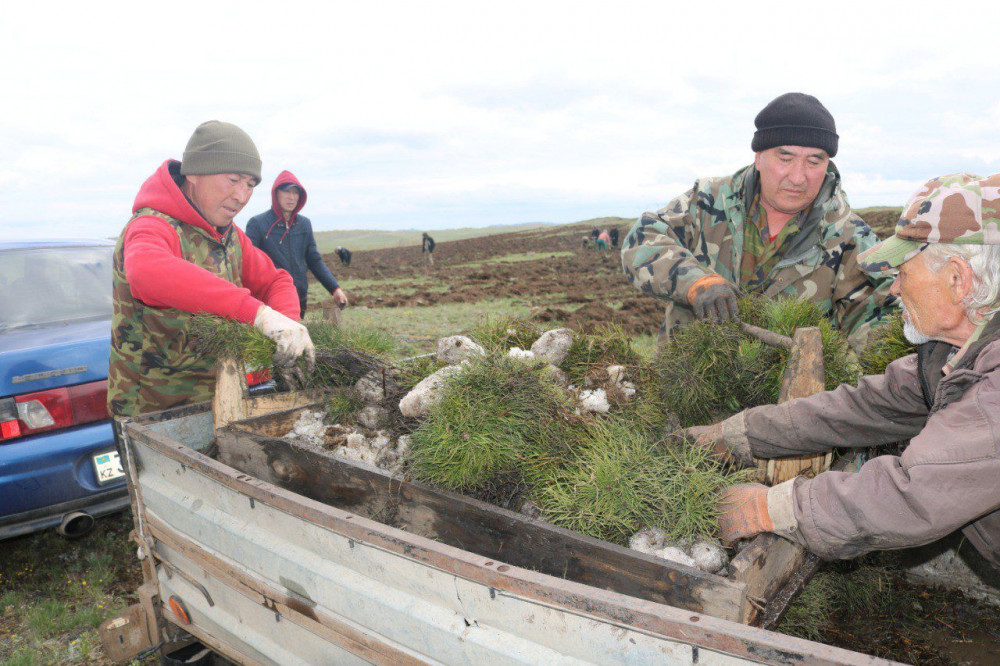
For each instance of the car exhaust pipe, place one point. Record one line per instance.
(75, 525)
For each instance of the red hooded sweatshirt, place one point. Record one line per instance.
(286, 177)
(160, 277)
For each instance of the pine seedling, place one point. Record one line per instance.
(619, 481)
(698, 372)
(784, 315)
(491, 417)
(498, 333)
(338, 363)
(591, 353)
(412, 371)
(886, 344)
(222, 338)
(363, 339)
(343, 405)
(708, 371)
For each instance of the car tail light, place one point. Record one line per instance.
(9, 426)
(64, 407)
(258, 377)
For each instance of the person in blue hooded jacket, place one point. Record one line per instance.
(287, 238)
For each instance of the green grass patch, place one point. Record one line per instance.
(50, 605)
(416, 330)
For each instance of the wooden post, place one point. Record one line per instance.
(804, 376)
(331, 313)
(769, 564)
(229, 402)
(232, 401)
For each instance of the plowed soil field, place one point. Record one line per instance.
(558, 270)
(564, 278)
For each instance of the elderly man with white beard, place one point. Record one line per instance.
(945, 399)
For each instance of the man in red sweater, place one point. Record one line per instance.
(180, 254)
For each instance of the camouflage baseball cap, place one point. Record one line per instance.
(959, 208)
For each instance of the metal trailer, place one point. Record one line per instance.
(272, 554)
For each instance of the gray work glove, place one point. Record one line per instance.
(717, 302)
(291, 337)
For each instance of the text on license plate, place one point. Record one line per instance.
(108, 467)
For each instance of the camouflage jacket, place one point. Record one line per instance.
(701, 232)
(154, 363)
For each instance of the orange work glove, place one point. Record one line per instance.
(743, 512)
(712, 297)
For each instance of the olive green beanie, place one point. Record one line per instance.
(218, 147)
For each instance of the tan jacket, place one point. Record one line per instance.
(947, 478)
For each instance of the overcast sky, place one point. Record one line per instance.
(423, 115)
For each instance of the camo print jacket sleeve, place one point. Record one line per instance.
(859, 301)
(667, 251)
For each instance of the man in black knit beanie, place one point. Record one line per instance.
(780, 226)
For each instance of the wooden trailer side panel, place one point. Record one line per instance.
(472, 525)
(270, 577)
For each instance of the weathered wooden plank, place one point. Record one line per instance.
(470, 524)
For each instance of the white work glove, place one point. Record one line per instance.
(291, 336)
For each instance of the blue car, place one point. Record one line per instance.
(58, 464)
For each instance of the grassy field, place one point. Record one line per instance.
(54, 593)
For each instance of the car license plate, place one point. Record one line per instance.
(108, 467)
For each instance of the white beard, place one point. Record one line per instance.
(910, 331)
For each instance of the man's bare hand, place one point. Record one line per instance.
(340, 298)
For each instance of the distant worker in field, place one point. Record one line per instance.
(781, 225)
(945, 399)
(603, 240)
(287, 237)
(613, 233)
(181, 254)
(427, 247)
(344, 255)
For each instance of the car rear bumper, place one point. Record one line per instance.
(45, 476)
(99, 504)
